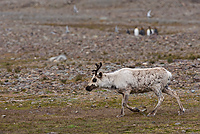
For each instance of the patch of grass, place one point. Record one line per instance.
(79, 77)
(73, 63)
(64, 81)
(18, 64)
(45, 78)
(169, 59)
(138, 64)
(105, 53)
(110, 102)
(72, 126)
(152, 61)
(79, 65)
(17, 69)
(193, 56)
(58, 114)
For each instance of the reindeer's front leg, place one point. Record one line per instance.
(124, 101)
(124, 104)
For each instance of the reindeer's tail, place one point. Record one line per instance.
(169, 76)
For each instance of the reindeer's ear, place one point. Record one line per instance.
(100, 75)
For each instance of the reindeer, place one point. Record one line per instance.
(127, 81)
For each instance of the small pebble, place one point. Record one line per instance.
(3, 116)
(178, 123)
(183, 131)
(93, 106)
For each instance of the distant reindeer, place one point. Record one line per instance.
(127, 81)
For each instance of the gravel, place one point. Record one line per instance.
(28, 43)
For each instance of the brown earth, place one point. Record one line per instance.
(39, 96)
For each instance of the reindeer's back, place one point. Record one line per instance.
(142, 77)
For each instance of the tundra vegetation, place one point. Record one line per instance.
(42, 96)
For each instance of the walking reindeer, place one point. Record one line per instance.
(127, 81)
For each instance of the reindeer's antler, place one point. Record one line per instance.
(98, 67)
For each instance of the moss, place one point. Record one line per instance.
(192, 56)
(64, 81)
(105, 53)
(169, 59)
(79, 77)
(72, 126)
(152, 61)
(57, 116)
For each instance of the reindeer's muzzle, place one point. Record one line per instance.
(89, 88)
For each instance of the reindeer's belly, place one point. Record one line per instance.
(134, 90)
(140, 90)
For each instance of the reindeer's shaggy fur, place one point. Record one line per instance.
(128, 81)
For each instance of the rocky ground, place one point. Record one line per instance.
(26, 51)
(31, 32)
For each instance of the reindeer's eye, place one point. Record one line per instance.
(94, 80)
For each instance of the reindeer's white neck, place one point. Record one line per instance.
(107, 80)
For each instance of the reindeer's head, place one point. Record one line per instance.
(94, 83)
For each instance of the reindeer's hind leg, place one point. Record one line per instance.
(169, 91)
(157, 90)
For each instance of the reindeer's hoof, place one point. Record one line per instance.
(151, 114)
(121, 115)
(181, 112)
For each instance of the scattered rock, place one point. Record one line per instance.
(58, 58)
(31, 74)
(178, 123)
(183, 131)
(93, 106)
(52, 133)
(3, 116)
(20, 105)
